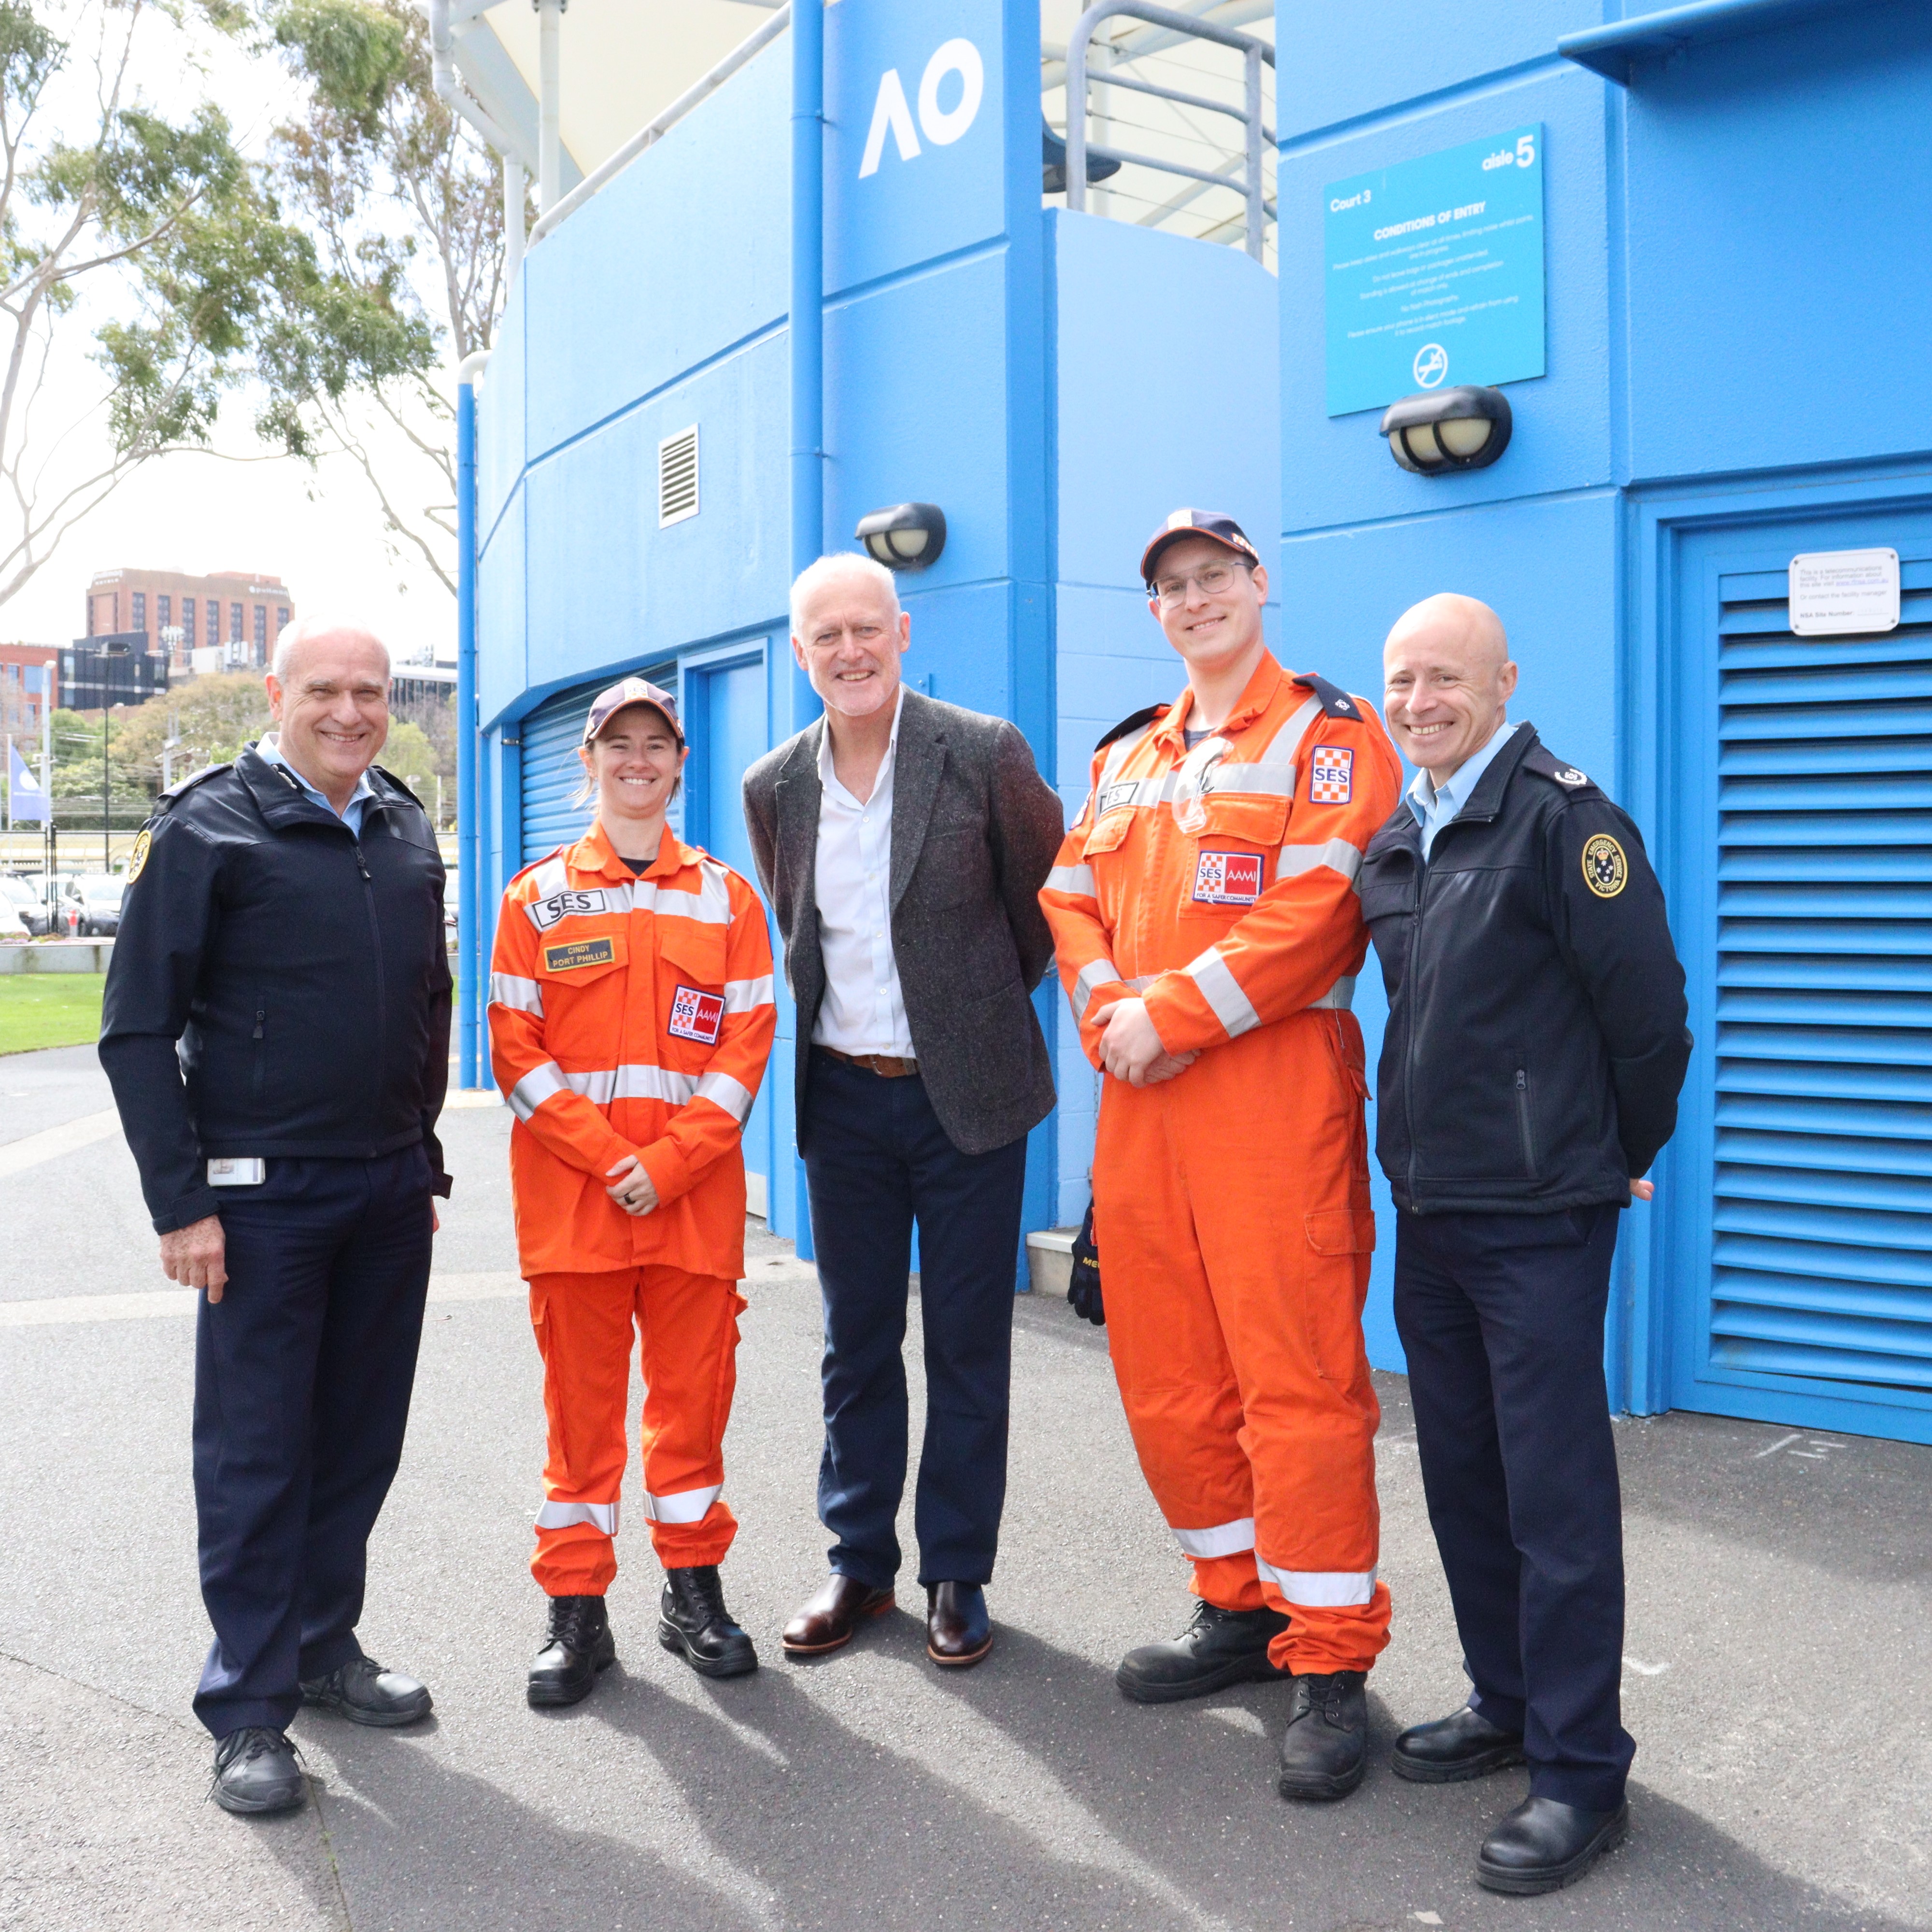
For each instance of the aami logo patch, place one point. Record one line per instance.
(696, 1015)
(1228, 878)
(1331, 777)
(574, 953)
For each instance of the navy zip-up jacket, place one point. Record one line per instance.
(279, 986)
(1536, 1040)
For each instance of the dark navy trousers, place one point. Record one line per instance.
(1502, 1319)
(877, 1159)
(303, 1371)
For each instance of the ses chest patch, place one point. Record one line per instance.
(1228, 878)
(696, 1015)
(1331, 775)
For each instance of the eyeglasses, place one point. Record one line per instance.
(1211, 582)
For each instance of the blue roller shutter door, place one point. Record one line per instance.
(551, 734)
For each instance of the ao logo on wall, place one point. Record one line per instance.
(942, 125)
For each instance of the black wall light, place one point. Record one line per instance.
(1442, 430)
(909, 536)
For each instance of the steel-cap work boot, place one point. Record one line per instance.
(256, 1771)
(693, 1622)
(1325, 1749)
(1544, 1845)
(578, 1644)
(364, 1693)
(1218, 1648)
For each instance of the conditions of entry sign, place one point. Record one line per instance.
(1436, 272)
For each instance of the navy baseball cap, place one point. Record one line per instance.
(632, 690)
(1209, 523)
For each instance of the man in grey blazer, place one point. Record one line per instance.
(902, 843)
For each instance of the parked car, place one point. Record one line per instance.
(26, 896)
(12, 927)
(90, 905)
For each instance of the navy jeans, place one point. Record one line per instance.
(1502, 1318)
(303, 1371)
(876, 1159)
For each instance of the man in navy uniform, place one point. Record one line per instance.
(1529, 1076)
(276, 1033)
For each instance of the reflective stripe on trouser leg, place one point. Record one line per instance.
(1176, 1382)
(688, 1324)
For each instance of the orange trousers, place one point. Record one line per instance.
(1230, 1210)
(687, 1326)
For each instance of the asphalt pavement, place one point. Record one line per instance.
(1778, 1678)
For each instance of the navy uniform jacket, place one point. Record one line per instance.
(1536, 1039)
(279, 986)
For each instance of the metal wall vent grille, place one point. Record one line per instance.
(677, 477)
(1822, 1240)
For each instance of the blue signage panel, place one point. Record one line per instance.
(1436, 272)
(914, 157)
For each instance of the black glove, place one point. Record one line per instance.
(1083, 1291)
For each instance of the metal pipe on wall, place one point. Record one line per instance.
(514, 180)
(469, 827)
(807, 321)
(549, 85)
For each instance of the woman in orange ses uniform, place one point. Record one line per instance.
(631, 1016)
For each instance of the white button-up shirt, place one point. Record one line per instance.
(1435, 805)
(863, 1010)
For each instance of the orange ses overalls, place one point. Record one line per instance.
(631, 1015)
(1231, 1204)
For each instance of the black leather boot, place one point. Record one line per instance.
(362, 1691)
(1219, 1647)
(1464, 1744)
(577, 1646)
(256, 1772)
(1325, 1749)
(1544, 1845)
(694, 1622)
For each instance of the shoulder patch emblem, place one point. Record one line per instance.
(1331, 778)
(1605, 871)
(1568, 774)
(697, 1015)
(138, 857)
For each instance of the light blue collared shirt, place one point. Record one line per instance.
(1435, 805)
(351, 814)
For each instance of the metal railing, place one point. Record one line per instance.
(1256, 135)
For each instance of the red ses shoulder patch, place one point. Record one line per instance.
(1228, 878)
(1331, 777)
(696, 1015)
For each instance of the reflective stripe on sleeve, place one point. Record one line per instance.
(1078, 879)
(1222, 992)
(1339, 997)
(1224, 1539)
(519, 995)
(556, 1515)
(1337, 854)
(741, 995)
(1101, 972)
(1319, 1589)
(721, 1090)
(536, 1087)
(687, 1506)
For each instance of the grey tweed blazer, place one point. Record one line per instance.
(975, 830)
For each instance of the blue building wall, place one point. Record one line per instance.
(1737, 278)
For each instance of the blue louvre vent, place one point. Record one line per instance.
(1823, 1242)
(551, 734)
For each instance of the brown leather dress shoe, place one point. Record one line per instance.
(828, 1621)
(959, 1631)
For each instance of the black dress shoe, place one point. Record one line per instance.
(826, 1621)
(1325, 1749)
(362, 1691)
(958, 1627)
(256, 1771)
(1219, 1647)
(693, 1620)
(577, 1646)
(1463, 1745)
(1544, 1845)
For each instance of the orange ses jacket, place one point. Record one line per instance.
(630, 1015)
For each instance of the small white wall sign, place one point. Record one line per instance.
(1837, 593)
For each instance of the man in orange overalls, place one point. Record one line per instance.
(631, 1016)
(1205, 920)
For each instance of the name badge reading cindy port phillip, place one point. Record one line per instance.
(696, 1015)
(572, 954)
(1228, 878)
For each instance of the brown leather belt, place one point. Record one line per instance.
(883, 1064)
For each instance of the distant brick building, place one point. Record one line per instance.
(241, 613)
(28, 685)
